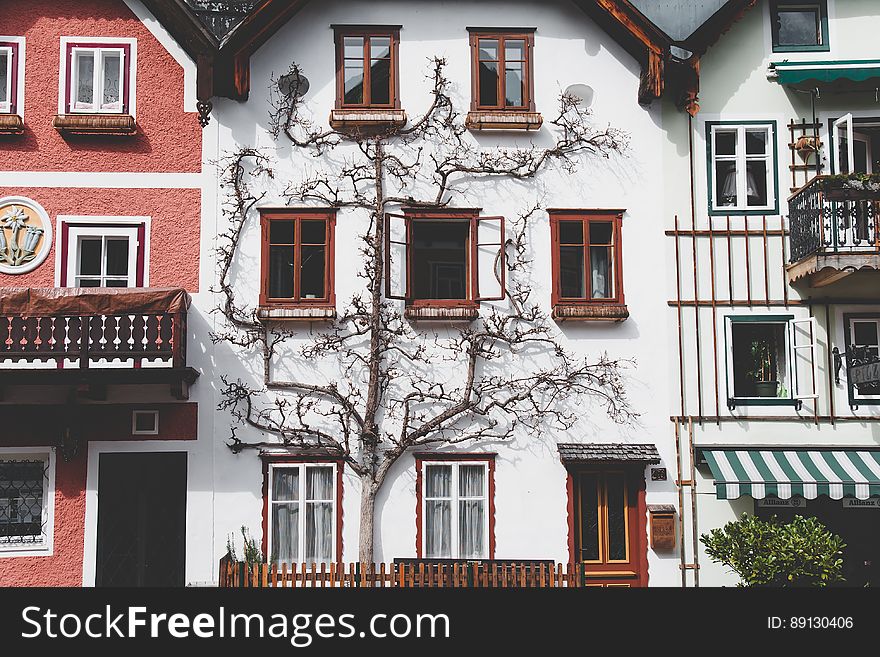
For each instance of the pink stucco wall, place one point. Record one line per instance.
(174, 234)
(168, 139)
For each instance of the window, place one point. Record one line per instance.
(302, 513)
(9, 76)
(455, 507)
(25, 502)
(103, 257)
(98, 78)
(366, 65)
(586, 257)
(298, 257)
(862, 347)
(742, 168)
(444, 258)
(501, 64)
(799, 26)
(771, 360)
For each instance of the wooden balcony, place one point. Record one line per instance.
(833, 222)
(89, 338)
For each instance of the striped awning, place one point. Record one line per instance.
(842, 75)
(788, 472)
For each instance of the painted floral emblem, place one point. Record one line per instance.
(21, 246)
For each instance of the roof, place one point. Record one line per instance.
(608, 452)
(220, 17)
(679, 19)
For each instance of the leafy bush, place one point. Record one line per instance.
(252, 552)
(774, 554)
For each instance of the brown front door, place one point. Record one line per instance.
(609, 526)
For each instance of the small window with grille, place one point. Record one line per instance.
(24, 503)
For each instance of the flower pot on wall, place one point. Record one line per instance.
(807, 146)
(766, 388)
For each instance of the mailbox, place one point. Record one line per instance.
(662, 517)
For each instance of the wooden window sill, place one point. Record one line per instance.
(503, 120)
(11, 124)
(602, 312)
(466, 313)
(296, 313)
(361, 119)
(95, 124)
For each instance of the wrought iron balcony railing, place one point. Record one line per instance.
(835, 215)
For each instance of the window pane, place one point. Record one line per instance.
(438, 481)
(470, 480)
(21, 501)
(799, 26)
(571, 232)
(281, 232)
(725, 142)
(865, 334)
(85, 78)
(117, 257)
(589, 534)
(319, 531)
(725, 183)
(117, 282)
(615, 497)
(354, 82)
(88, 282)
(354, 47)
(758, 358)
(488, 84)
(438, 529)
(470, 529)
(601, 232)
(313, 232)
(440, 259)
(281, 270)
(4, 76)
(600, 272)
(756, 142)
(380, 82)
(514, 50)
(513, 84)
(319, 483)
(112, 78)
(488, 50)
(285, 484)
(571, 272)
(756, 183)
(311, 282)
(90, 249)
(380, 47)
(285, 533)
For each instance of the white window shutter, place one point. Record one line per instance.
(491, 262)
(804, 358)
(396, 256)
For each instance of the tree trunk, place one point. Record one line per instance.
(367, 521)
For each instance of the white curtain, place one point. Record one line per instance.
(319, 514)
(438, 511)
(285, 515)
(85, 63)
(112, 79)
(471, 512)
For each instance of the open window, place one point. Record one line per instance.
(771, 360)
(444, 258)
(799, 26)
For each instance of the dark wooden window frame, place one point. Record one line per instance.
(471, 215)
(482, 457)
(615, 217)
(502, 34)
(367, 31)
(267, 215)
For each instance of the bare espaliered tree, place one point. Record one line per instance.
(388, 395)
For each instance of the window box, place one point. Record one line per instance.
(742, 170)
(502, 85)
(11, 124)
(455, 506)
(444, 262)
(95, 124)
(367, 120)
(799, 26)
(587, 265)
(297, 263)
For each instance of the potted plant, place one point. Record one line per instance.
(763, 372)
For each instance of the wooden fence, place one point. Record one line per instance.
(402, 575)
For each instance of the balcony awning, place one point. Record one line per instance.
(848, 75)
(86, 301)
(788, 472)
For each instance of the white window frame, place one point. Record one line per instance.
(850, 328)
(127, 69)
(46, 547)
(77, 233)
(97, 106)
(740, 158)
(16, 74)
(455, 498)
(134, 418)
(6, 106)
(790, 381)
(302, 501)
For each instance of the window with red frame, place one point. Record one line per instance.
(366, 67)
(444, 258)
(9, 81)
(98, 78)
(297, 257)
(501, 64)
(586, 257)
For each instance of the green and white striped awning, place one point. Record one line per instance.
(788, 472)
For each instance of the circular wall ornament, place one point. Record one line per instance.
(25, 235)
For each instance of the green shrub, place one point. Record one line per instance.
(774, 554)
